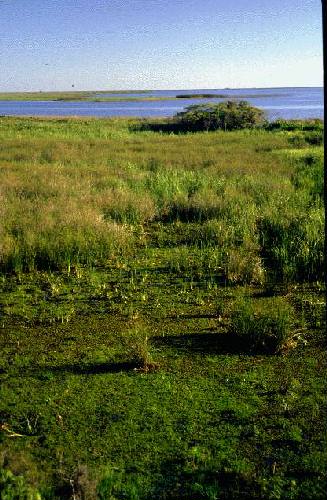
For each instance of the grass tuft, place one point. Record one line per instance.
(262, 325)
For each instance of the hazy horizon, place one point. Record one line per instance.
(155, 89)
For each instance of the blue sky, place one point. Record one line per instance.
(153, 44)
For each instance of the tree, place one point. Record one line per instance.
(227, 115)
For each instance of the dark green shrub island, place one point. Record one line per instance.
(227, 115)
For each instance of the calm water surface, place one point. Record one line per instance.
(292, 102)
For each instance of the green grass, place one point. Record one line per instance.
(162, 313)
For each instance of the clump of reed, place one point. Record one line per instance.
(262, 325)
(137, 349)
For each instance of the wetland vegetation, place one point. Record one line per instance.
(162, 311)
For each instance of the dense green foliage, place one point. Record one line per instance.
(162, 313)
(227, 115)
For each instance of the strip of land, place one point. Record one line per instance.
(110, 96)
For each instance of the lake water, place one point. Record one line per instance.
(288, 103)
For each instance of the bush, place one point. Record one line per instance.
(228, 115)
(262, 325)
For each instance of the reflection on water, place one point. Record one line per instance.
(293, 102)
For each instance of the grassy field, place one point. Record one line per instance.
(162, 313)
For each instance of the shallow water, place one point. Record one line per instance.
(291, 102)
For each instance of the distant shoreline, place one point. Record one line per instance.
(112, 95)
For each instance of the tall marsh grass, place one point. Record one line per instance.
(78, 191)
